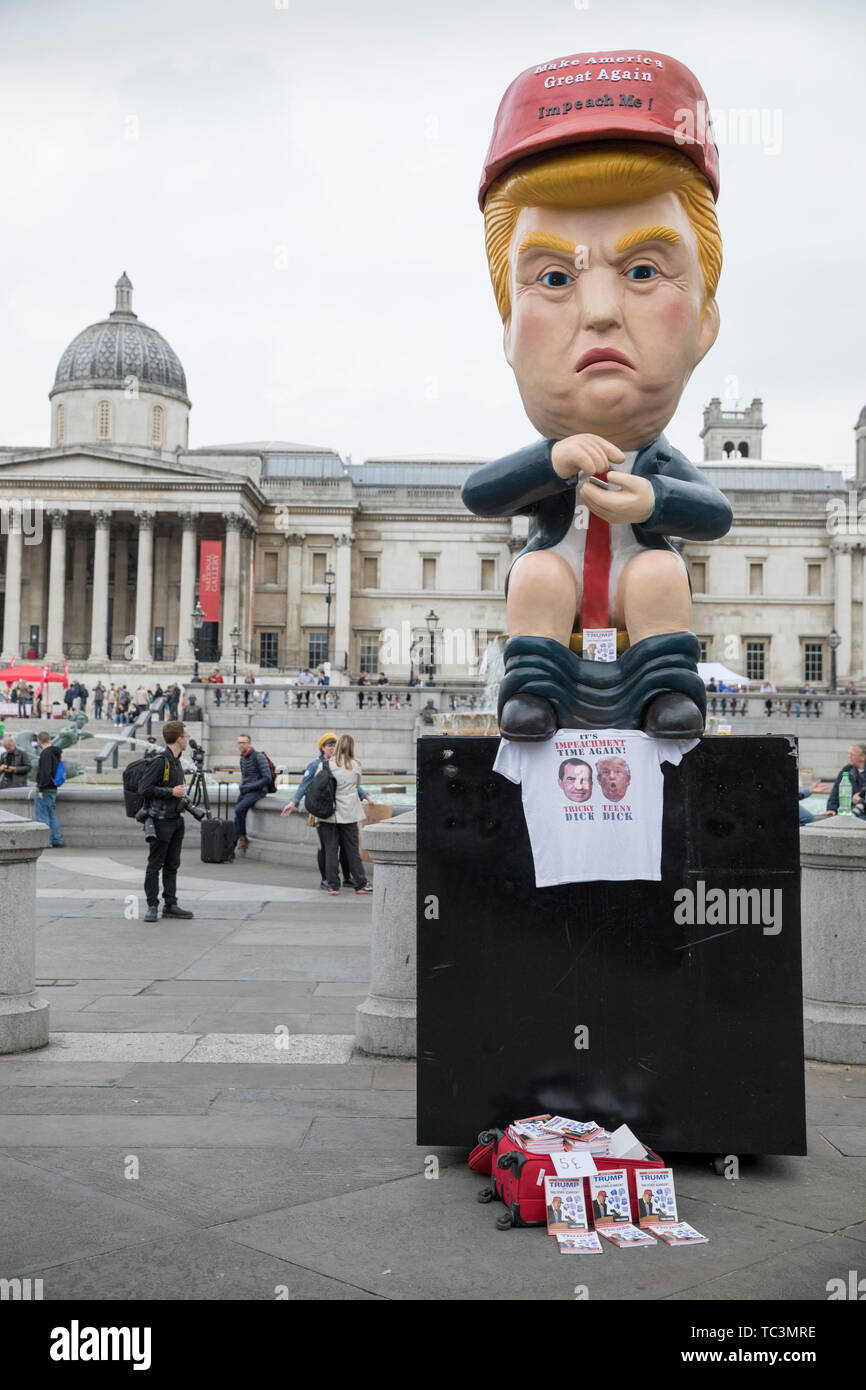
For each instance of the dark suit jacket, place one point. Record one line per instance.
(527, 484)
(643, 1208)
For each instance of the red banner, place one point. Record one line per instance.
(209, 580)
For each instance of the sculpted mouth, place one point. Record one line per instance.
(609, 357)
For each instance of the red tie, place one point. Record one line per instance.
(596, 572)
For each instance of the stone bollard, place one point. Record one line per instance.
(386, 1019)
(833, 888)
(23, 1014)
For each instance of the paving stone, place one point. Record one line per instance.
(214, 1021)
(828, 1079)
(800, 1274)
(253, 1047)
(46, 1218)
(395, 1076)
(233, 1182)
(113, 1047)
(277, 963)
(234, 993)
(340, 987)
(168, 1021)
(849, 1141)
(824, 1193)
(319, 1076)
(429, 1239)
(105, 1100)
(138, 1132)
(14, 1072)
(200, 1266)
(846, 1111)
(239, 1101)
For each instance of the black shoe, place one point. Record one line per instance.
(323, 883)
(673, 715)
(152, 914)
(172, 910)
(527, 719)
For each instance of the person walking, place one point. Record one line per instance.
(98, 699)
(14, 765)
(327, 748)
(110, 698)
(21, 696)
(341, 828)
(249, 680)
(255, 782)
(46, 788)
(162, 788)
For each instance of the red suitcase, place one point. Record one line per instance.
(518, 1177)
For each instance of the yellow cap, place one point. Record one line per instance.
(326, 738)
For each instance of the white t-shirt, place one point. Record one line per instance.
(593, 801)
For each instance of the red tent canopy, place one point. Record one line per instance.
(32, 673)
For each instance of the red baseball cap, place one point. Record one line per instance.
(612, 94)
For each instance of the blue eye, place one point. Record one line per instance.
(556, 279)
(642, 272)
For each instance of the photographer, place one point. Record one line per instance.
(162, 789)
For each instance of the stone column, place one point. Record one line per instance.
(842, 610)
(343, 601)
(76, 612)
(386, 1019)
(144, 587)
(12, 609)
(56, 587)
(99, 611)
(248, 592)
(863, 633)
(188, 550)
(231, 583)
(833, 883)
(120, 616)
(23, 1014)
(295, 543)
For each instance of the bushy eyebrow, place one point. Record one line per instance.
(548, 241)
(640, 234)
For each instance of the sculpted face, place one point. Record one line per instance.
(639, 293)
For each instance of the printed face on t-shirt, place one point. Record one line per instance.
(613, 778)
(575, 780)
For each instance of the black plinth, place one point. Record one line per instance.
(695, 1032)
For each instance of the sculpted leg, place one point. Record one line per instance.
(542, 597)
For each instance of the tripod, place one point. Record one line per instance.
(197, 793)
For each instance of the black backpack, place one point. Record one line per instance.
(272, 784)
(320, 798)
(132, 775)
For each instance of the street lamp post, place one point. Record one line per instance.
(431, 621)
(330, 578)
(236, 637)
(197, 620)
(834, 641)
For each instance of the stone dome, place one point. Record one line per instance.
(109, 352)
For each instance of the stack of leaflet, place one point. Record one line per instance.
(549, 1134)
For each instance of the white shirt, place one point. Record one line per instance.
(582, 827)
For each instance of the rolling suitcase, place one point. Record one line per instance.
(218, 835)
(518, 1177)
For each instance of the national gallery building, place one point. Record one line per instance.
(135, 548)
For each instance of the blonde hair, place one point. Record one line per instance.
(599, 175)
(345, 754)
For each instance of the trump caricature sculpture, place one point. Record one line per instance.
(604, 253)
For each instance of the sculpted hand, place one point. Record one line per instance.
(584, 453)
(635, 503)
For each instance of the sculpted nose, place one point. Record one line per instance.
(599, 299)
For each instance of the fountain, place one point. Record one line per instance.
(482, 719)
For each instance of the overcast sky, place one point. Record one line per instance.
(292, 190)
